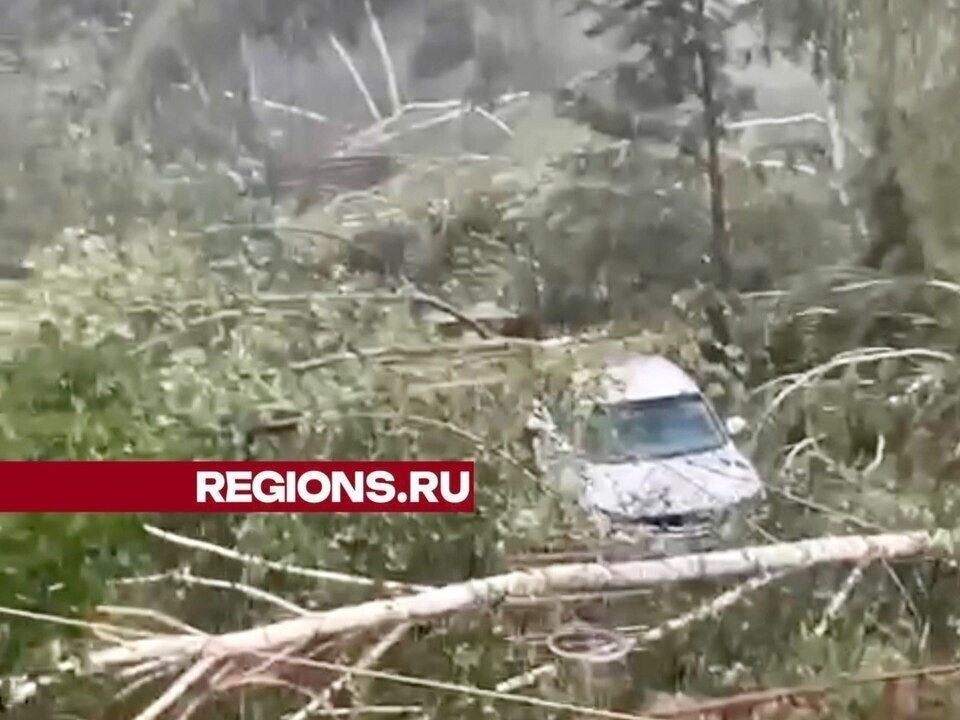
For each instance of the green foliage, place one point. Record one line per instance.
(59, 564)
(61, 399)
(64, 401)
(668, 31)
(145, 349)
(147, 334)
(59, 173)
(601, 232)
(674, 37)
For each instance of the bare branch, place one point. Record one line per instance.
(531, 677)
(170, 622)
(178, 688)
(368, 660)
(314, 573)
(292, 110)
(73, 622)
(439, 685)
(248, 590)
(837, 601)
(844, 360)
(203, 698)
(378, 134)
(770, 121)
(139, 683)
(486, 114)
(357, 77)
(709, 609)
(435, 302)
(381, 43)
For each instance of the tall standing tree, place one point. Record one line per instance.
(706, 52)
(884, 61)
(683, 62)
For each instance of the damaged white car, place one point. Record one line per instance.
(651, 460)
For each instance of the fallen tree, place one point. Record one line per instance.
(489, 592)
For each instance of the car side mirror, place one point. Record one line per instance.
(536, 426)
(736, 426)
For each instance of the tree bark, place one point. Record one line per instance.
(720, 237)
(433, 604)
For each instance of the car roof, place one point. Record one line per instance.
(646, 377)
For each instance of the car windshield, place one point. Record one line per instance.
(651, 429)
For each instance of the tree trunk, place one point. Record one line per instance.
(720, 237)
(435, 603)
(893, 246)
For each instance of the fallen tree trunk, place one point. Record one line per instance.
(489, 592)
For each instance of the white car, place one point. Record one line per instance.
(651, 457)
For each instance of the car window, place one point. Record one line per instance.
(651, 429)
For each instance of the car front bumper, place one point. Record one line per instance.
(628, 540)
(642, 542)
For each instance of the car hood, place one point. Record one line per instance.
(689, 484)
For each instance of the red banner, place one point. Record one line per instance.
(217, 487)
